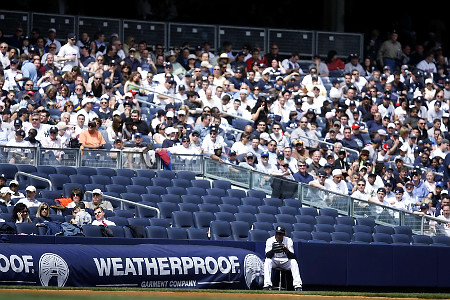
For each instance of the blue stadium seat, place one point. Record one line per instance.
(221, 184)
(441, 240)
(421, 240)
(202, 219)
(309, 219)
(66, 170)
(320, 236)
(383, 229)
(88, 171)
(403, 230)
(239, 230)
(212, 199)
(137, 189)
(176, 190)
(192, 190)
(324, 228)
(160, 222)
(362, 228)
(191, 199)
(171, 198)
(100, 179)
(309, 211)
(27, 228)
(286, 218)
(123, 180)
(220, 230)
(287, 226)
(183, 219)
(201, 183)
(301, 236)
(251, 201)
(302, 227)
(293, 211)
(161, 181)
(151, 198)
(216, 192)
(187, 175)
(210, 207)
(126, 213)
(228, 208)
(344, 228)
(292, 202)
(177, 233)
(166, 174)
(156, 232)
(46, 170)
(119, 221)
(142, 181)
(347, 220)
(91, 230)
(248, 209)
(340, 237)
(180, 182)
(381, 238)
(265, 217)
(197, 233)
(328, 212)
(191, 207)
(274, 202)
(156, 190)
(106, 171)
(365, 221)
(246, 217)
(401, 239)
(166, 209)
(256, 235)
(58, 181)
(125, 172)
(257, 194)
(225, 216)
(325, 219)
(148, 173)
(268, 209)
(236, 193)
(231, 200)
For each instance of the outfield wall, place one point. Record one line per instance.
(79, 261)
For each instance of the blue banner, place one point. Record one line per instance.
(146, 266)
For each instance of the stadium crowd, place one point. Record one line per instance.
(374, 126)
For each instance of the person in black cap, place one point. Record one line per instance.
(69, 54)
(280, 254)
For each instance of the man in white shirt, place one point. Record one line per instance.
(99, 214)
(4, 55)
(54, 141)
(30, 200)
(336, 184)
(441, 150)
(69, 54)
(42, 129)
(87, 109)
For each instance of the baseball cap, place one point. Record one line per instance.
(169, 114)
(17, 122)
(322, 173)
(30, 188)
(381, 190)
(53, 129)
(424, 206)
(137, 134)
(265, 154)
(13, 182)
(250, 155)
(399, 190)
(280, 229)
(336, 172)
(355, 126)
(97, 191)
(6, 190)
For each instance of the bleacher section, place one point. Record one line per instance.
(197, 208)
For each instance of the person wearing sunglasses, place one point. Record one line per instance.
(69, 54)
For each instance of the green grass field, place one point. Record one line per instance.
(23, 293)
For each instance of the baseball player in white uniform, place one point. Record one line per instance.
(280, 254)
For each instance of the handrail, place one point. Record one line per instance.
(158, 212)
(34, 177)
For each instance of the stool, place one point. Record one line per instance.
(280, 285)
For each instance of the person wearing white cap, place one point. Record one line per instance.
(5, 197)
(335, 183)
(86, 110)
(30, 199)
(165, 92)
(14, 187)
(97, 201)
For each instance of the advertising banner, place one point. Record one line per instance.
(146, 266)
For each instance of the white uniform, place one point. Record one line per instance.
(280, 260)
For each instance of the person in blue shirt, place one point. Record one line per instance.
(29, 70)
(420, 190)
(302, 175)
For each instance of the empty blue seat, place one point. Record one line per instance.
(225, 216)
(156, 190)
(212, 199)
(292, 202)
(221, 184)
(166, 209)
(365, 221)
(248, 208)
(176, 190)
(123, 180)
(220, 230)
(263, 226)
(231, 200)
(265, 217)
(125, 172)
(441, 240)
(340, 237)
(401, 239)
(403, 230)
(258, 235)
(210, 207)
(137, 189)
(202, 219)
(88, 171)
(171, 198)
(257, 194)
(228, 208)
(268, 209)
(191, 207)
(142, 181)
(321, 236)
(301, 236)
(58, 181)
(66, 170)
(285, 218)
(91, 230)
(191, 199)
(201, 183)
(156, 232)
(246, 217)
(381, 238)
(347, 220)
(383, 229)
(273, 201)
(216, 192)
(148, 173)
(344, 228)
(187, 175)
(251, 201)
(183, 219)
(311, 211)
(293, 211)
(106, 171)
(116, 188)
(325, 219)
(239, 230)
(309, 219)
(362, 228)
(100, 179)
(46, 170)
(177, 233)
(197, 233)
(80, 178)
(119, 221)
(324, 227)
(302, 227)
(236, 193)
(361, 237)
(180, 182)
(166, 174)
(419, 239)
(192, 190)
(161, 182)
(160, 222)
(328, 212)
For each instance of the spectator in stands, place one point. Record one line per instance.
(99, 213)
(20, 214)
(30, 200)
(336, 184)
(80, 215)
(43, 214)
(97, 201)
(6, 197)
(302, 175)
(91, 138)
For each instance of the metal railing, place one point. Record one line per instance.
(39, 178)
(126, 201)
